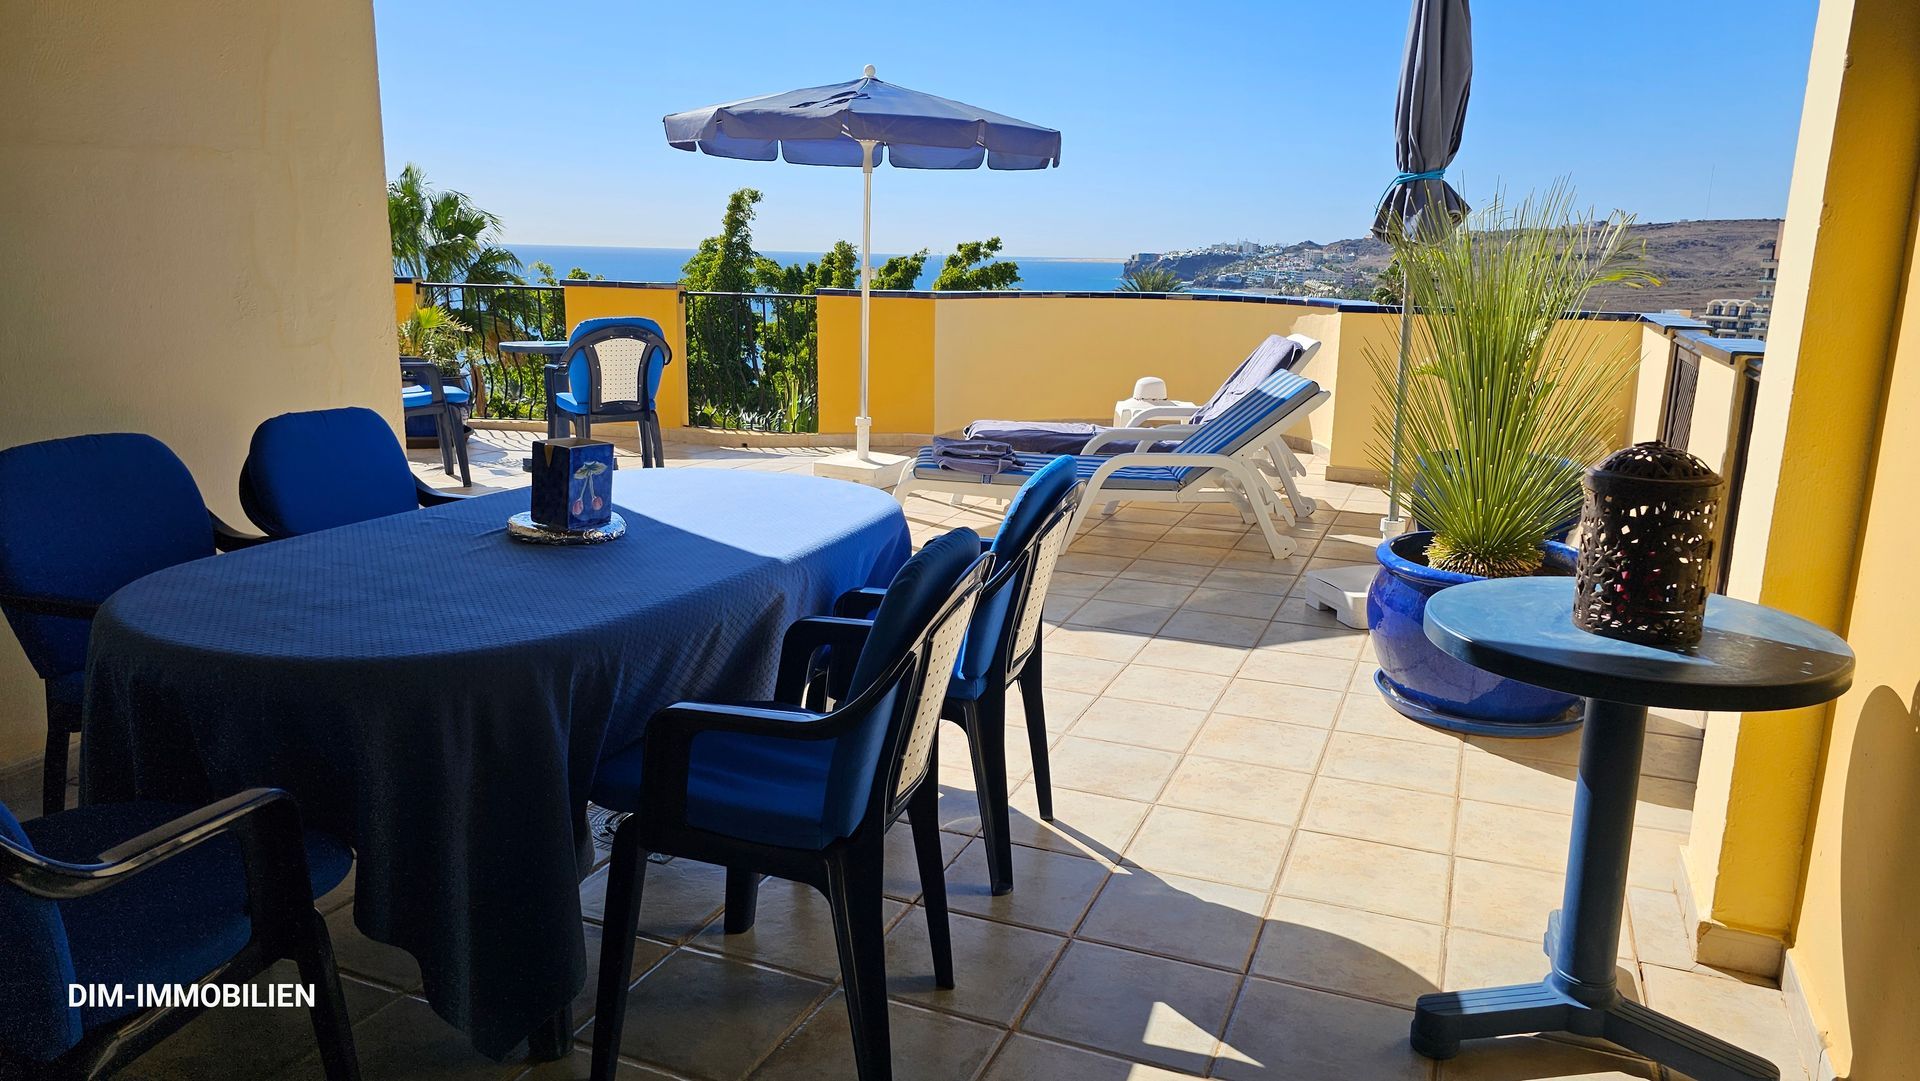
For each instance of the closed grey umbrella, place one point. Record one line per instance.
(1428, 118)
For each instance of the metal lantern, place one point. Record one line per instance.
(1648, 537)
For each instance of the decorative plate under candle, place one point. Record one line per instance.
(522, 527)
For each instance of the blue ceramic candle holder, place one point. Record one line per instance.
(572, 483)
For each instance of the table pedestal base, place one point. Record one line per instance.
(1580, 993)
(1442, 1020)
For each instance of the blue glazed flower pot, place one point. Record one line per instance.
(1433, 688)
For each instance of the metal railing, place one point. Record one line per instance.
(504, 386)
(753, 361)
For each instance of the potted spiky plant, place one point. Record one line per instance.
(1505, 406)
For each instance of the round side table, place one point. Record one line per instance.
(1751, 658)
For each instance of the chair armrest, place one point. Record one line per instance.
(800, 672)
(859, 603)
(430, 496)
(1164, 413)
(266, 824)
(228, 539)
(1137, 436)
(51, 606)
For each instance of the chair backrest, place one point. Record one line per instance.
(83, 516)
(1251, 418)
(925, 612)
(1007, 592)
(35, 1021)
(616, 362)
(311, 471)
(1275, 354)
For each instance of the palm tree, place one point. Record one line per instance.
(441, 236)
(1151, 280)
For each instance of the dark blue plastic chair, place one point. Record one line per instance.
(79, 518)
(1002, 648)
(424, 393)
(128, 894)
(330, 467)
(611, 371)
(788, 789)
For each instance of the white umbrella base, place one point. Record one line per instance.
(1343, 590)
(876, 470)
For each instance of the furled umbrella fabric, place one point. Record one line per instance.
(862, 124)
(1429, 116)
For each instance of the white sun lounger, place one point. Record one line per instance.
(1217, 461)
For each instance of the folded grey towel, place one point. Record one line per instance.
(983, 457)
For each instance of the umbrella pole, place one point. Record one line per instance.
(863, 424)
(1391, 526)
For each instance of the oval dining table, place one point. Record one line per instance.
(439, 694)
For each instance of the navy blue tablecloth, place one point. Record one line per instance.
(438, 694)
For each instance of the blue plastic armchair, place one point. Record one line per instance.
(124, 895)
(1003, 648)
(79, 518)
(424, 393)
(611, 372)
(788, 789)
(311, 471)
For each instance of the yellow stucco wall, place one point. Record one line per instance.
(195, 224)
(900, 379)
(1649, 384)
(665, 305)
(406, 297)
(1844, 252)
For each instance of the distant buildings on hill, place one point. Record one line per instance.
(1747, 318)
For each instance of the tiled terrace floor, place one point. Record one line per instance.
(1254, 870)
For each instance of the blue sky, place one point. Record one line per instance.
(1184, 123)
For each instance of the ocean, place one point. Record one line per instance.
(663, 265)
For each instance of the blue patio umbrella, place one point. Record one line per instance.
(1428, 116)
(864, 123)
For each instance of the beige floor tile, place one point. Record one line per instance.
(1117, 527)
(1083, 822)
(792, 929)
(1237, 789)
(1051, 890)
(1280, 702)
(404, 1041)
(1120, 616)
(902, 880)
(1190, 919)
(1198, 555)
(1655, 860)
(1083, 562)
(1200, 626)
(1393, 762)
(1365, 713)
(1117, 719)
(1025, 1058)
(1090, 642)
(1659, 928)
(1476, 959)
(1280, 1031)
(1563, 748)
(1252, 577)
(1137, 591)
(1516, 782)
(1371, 812)
(576, 1066)
(1299, 669)
(707, 1017)
(389, 966)
(255, 1042)
(1664, 805)
(1294, 609)
(1059, 607)
(1503, 900)
(1214, 847)
(927, 1046)
(1349, 951)
(996, 966)
(1167, 686)
(1517, 835)
(1527, 1058)
(1192, 656)
(1147, 569)
(1366, 874)
(1083, 675)
(1749, 1016)
(1133, 1004)
(1336, 641)
(1262, 743)
(1110, 769)
(1690, 723)
(1233, 602)
(1077, 584)
(1202, 536)
(1062, 706)
(1094, 544)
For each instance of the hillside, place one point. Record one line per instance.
(1696, 262)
